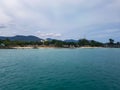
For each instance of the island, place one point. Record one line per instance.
(27, 42)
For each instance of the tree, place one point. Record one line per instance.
(7, 42)
(1, 41)
(118, 43)
(46, 43)
(84, 42)
(58, 44)
(111, 41)
(95, 43)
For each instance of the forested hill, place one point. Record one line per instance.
(21, 38)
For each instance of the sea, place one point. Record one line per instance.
(60, 69)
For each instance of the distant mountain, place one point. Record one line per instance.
(71, 40)
(49, 39)
(22, 38)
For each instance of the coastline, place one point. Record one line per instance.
(39, 47)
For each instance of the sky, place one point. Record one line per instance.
(61, 19)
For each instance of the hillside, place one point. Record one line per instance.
(21, 38)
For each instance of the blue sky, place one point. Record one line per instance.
(61, 19)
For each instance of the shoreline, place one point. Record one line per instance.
(39, 47)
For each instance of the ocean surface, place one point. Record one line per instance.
(60, 69)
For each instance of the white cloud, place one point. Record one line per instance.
(7, 33)
(47, 35)
(3, 17)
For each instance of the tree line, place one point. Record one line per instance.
(57, 43)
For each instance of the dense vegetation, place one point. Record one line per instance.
(57, 43)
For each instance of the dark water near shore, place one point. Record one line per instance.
(60, 69)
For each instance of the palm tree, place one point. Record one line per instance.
(111, 41)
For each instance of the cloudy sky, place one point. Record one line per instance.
(61, 19)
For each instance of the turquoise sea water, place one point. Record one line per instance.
(60, 69)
